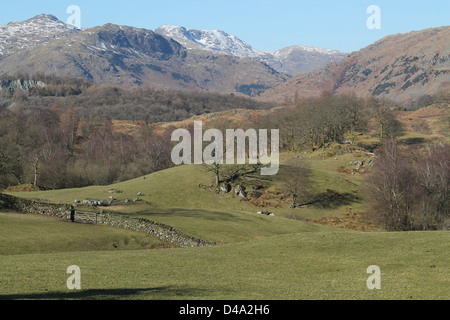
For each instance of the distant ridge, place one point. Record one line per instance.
(401, 67)
(292, 60)
(127, 57)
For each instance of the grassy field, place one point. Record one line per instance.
(287, 267)
(26, 234)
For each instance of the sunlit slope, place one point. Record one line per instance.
(173, 197)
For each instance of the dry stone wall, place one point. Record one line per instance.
(63, 211)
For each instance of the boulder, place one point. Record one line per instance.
(226, 188)
(267, 213)
(239, 189)
(243, 194)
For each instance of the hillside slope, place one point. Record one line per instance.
(175, 197)
(400, 67)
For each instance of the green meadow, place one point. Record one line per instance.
(27, 234)
(287, 267)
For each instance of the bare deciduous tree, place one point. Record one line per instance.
(297, 182)
(434, 178)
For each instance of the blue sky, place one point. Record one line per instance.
(265, 24)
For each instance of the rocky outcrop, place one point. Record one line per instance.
(19, 84)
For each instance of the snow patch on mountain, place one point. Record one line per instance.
(290, 50)
(212, 40)
(18, 36)
(41, 30)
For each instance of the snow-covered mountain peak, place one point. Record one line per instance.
(18, 36)
(211, 40)
(179, 34)
(43, 17)
(42, 24)
(291, 49)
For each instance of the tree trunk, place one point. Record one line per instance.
(36, 161)
(217, 178)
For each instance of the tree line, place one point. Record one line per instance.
(320, 122)
(58, 148)
(68, 146)
(143, 104)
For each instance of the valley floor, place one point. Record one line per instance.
(299, 266)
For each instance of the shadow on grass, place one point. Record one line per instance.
(210, 215)
(412, 141)
(110, 294)
(332, 200)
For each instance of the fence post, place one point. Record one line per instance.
(72, 214)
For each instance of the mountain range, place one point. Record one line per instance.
(127, 57)
(292, 60)
(400, 67)
(170, 57)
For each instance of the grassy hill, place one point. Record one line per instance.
(173, 197)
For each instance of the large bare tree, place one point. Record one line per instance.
(297, 182)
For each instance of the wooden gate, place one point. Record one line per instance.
(86, 217)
